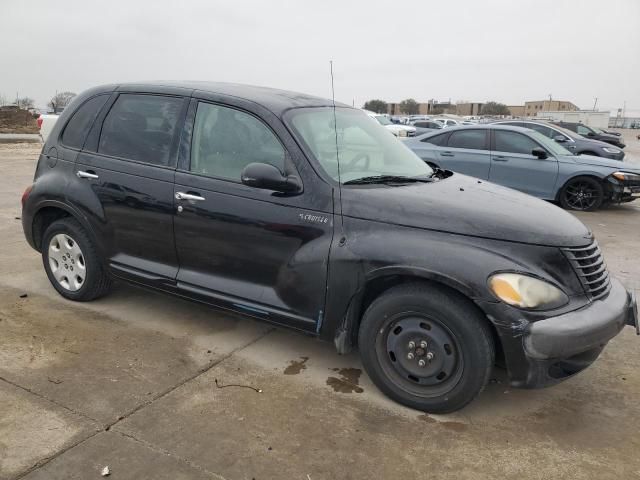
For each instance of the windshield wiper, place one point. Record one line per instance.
(387, 179)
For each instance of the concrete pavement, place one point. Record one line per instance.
(138, 381)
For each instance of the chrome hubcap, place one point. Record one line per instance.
(66, 262)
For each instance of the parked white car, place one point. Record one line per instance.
(395, 128)
(46, 121)
(447, 122)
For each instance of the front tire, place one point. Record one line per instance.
(72, 263)
(584, 194)
(426, 347)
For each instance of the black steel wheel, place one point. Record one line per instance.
(426, 347)
(417, 351)
(583, 194)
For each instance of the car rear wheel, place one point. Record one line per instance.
(426, 347)
(71, 262)
(582, 193)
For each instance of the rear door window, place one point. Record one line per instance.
(141, 128)
(469, 139)
(77, 128)
(226, 140)
(513, 142)
(439, 140)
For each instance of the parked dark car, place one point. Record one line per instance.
(306, 214)
(569, 140)
(592, 133)
(528, 161)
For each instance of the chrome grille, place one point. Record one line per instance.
(590, 268)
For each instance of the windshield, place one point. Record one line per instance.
(365, 148)
(383, 120)
(554, 147)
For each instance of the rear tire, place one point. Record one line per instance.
(72, 264)
(426, 347)
(584, 194)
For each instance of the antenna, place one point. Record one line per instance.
(335, 129)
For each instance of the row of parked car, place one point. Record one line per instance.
(539, 158)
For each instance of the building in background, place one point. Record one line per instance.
(432, 107)
(468, 109)
(531, 109)
(588, 117)
(516, 110)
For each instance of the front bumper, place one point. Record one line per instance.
(547, 351)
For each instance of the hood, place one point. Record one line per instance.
(601, 162)
(467, 206)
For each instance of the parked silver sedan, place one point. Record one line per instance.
(526, 160)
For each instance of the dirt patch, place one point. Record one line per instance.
(17, 121)
(296, 366)
(348, 381)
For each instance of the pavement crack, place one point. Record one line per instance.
(184, 381)
(162, 451)
(57, 404)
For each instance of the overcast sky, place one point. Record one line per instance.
(504, 50)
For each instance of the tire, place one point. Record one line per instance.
(584, 194)
(72, 264)
(455, 332)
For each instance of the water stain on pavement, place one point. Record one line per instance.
(348, 381)
(454, 426)
(296, 366)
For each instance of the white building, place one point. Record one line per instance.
(588, 117)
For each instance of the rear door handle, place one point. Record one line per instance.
(188, 196)
(88, 174)
(447, 154)
(500, 158)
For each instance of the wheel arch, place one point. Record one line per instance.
(599, 177)
(381, 280)
(50, 211)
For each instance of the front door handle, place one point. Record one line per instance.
(188, 196)
(447, 154)
(89, 174)
(501, 159)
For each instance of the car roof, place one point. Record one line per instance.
(480, 126)
(276, 100)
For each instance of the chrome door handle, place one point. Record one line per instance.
(188, 196)
(82, 174)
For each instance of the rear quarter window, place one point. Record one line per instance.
(76, 130)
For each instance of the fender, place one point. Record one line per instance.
(345, 335)
(71, 210)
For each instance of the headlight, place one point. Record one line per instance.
(626, 176)
(523, 291)
(402, 133)
(611, 150)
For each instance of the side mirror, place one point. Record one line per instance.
(268, 177)
(560, 138)
(539, 152)
(590, 134)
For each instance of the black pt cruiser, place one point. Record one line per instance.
(306, 214)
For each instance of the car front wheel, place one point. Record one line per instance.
(426, 347)
(582, 193)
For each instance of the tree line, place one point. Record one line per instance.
(411, 107)
(57, 103)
